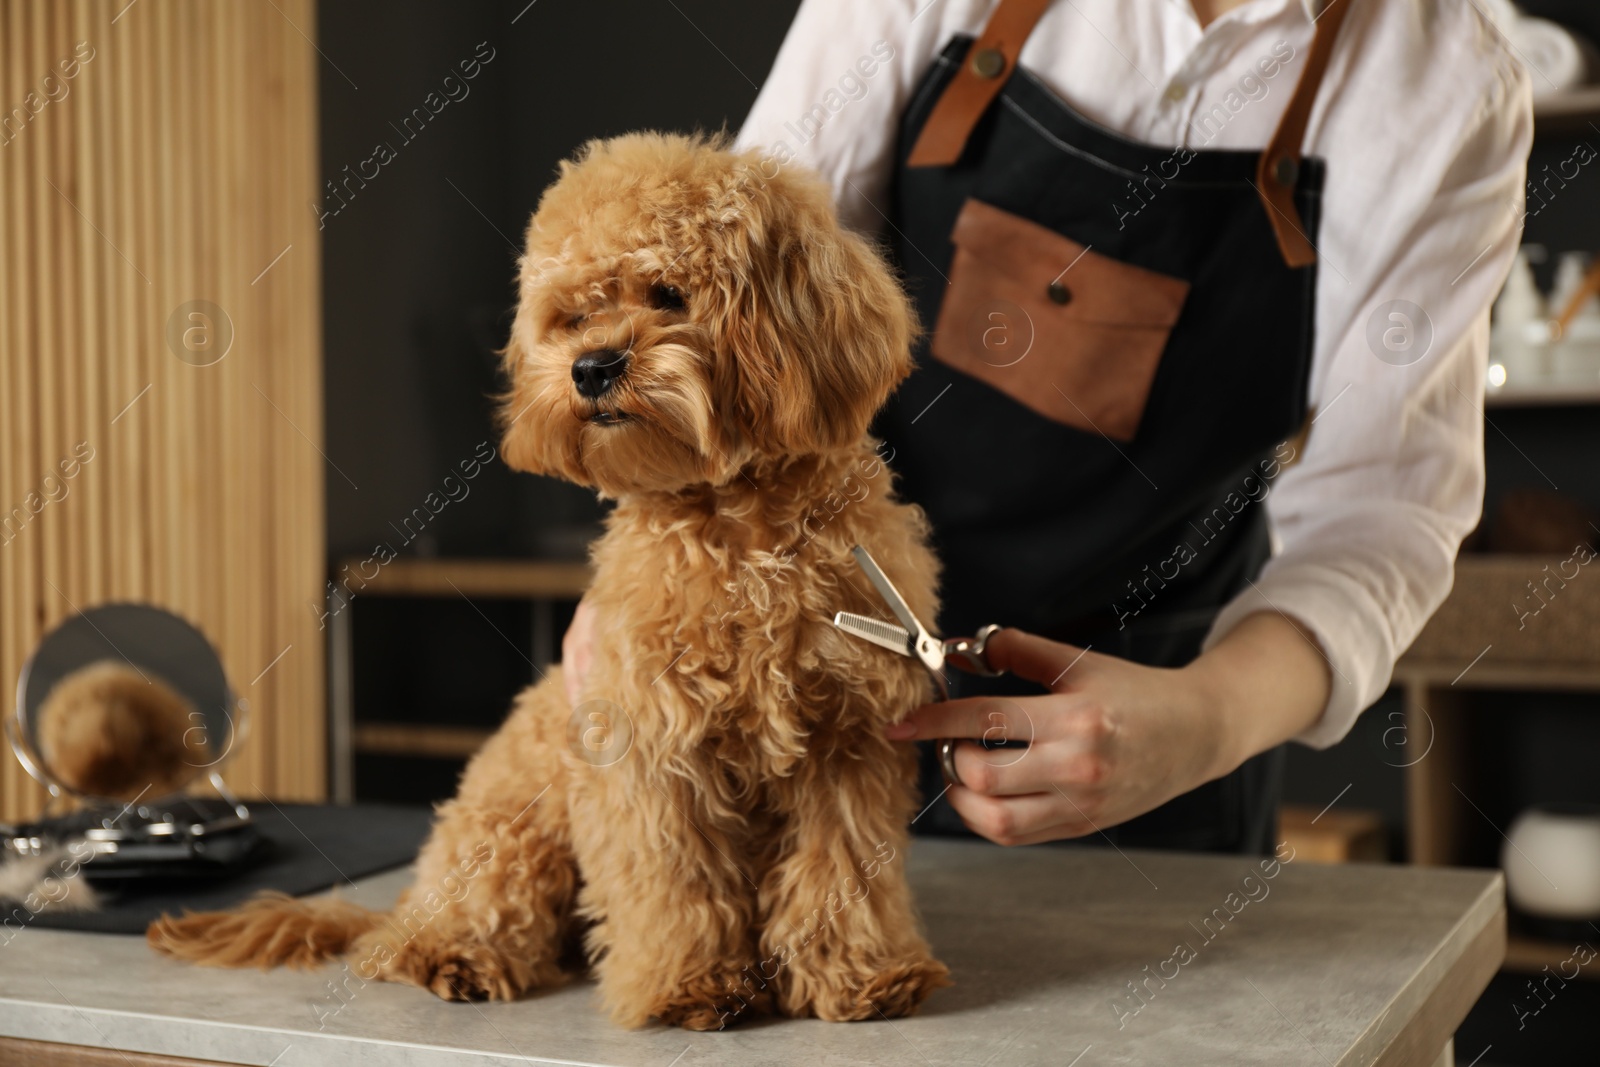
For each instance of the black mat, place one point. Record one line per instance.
(310, 848)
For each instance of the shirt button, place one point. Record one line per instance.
(1176, 92)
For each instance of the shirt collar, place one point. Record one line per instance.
(1262, 10)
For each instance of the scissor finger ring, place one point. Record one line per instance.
(972, 653)
(947, 760)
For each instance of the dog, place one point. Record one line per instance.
(698, 339)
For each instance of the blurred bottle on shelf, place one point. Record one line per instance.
(1519, 350)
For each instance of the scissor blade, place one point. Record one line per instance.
(886, 589)
(890, 636)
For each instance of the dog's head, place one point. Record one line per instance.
(686, 310)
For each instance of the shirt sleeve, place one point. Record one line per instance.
(1371, 514)
(834, 97)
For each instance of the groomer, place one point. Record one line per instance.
(1198, 417)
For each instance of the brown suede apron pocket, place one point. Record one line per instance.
(1067, 332)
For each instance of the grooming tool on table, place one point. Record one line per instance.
(912, 639)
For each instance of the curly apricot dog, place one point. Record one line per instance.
(698, 338)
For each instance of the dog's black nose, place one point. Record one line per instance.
(593, 372)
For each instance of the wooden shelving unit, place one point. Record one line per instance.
(419, 739)
(1527, 955)
(1576, 111)
(481, 577)
(542, 582)
(1572, 114)
(1478, 641)
(1334, 835)
(1546, 395)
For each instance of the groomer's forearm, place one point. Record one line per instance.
(1265, 681)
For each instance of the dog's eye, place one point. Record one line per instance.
(666, 298)
(574, 319)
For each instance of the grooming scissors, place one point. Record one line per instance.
(913, 640)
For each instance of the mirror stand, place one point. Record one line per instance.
(119, 695)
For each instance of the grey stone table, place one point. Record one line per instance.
(1061, 956)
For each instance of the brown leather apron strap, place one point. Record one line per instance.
(989, 62)
(993, 57)
(1279, 165)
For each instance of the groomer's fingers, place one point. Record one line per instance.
(1023, 820)
(1001, 772)
(1035, 658)
(1004, 772)
(577, 647)
(990, 718)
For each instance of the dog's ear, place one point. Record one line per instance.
(817, 329)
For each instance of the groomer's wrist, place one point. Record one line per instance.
(1207, 680)
(1263, 683)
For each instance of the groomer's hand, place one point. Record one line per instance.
(1114, 739)
(577, 651)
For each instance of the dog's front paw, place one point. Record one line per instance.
(713, 1004)
(709, 1002)
(471, 974)
(463, 970)
(890, 992)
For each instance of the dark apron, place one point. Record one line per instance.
(1093, 422)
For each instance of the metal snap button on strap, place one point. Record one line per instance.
(1285, 170)
(1058, 293)
(988, 63)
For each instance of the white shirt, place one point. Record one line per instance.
(1425, 120)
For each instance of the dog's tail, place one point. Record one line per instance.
(272, 930)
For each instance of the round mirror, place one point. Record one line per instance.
(123, 702)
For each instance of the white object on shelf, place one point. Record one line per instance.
(1517, 341)
(1570, 269)
(1563, 59)
(1552, 861)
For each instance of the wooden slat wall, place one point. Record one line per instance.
(179, 164)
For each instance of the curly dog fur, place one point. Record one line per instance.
(721, 820)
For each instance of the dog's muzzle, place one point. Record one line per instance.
(594, 372)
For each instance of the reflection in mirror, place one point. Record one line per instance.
(108, 730)
(123, 702)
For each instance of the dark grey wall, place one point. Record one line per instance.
(1580, 15)
(418, 261)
